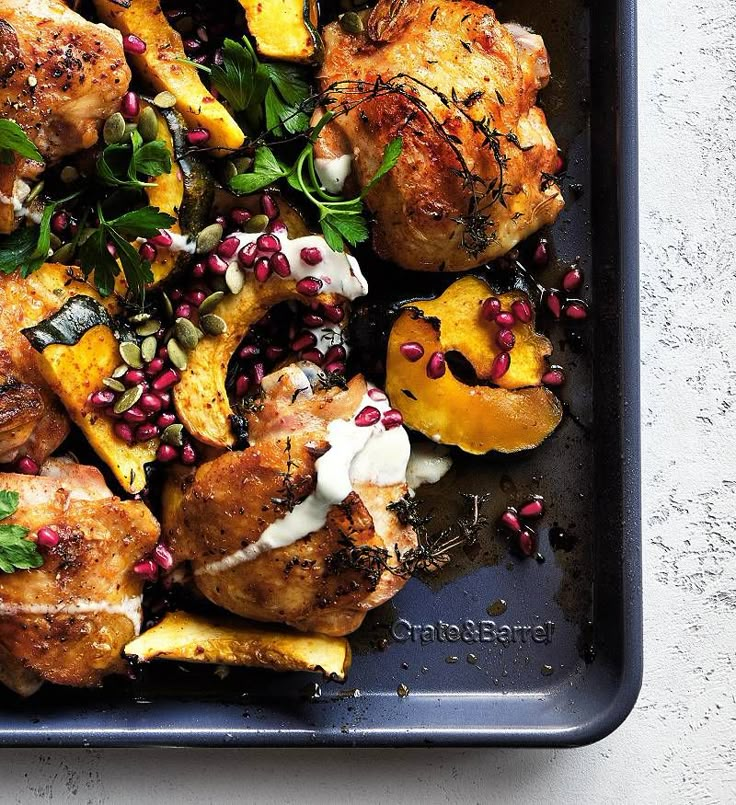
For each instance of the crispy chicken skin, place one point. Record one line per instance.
(60, 77)
(68, 620)
(228, 503)
(449, 74)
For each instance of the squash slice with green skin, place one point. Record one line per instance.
(517, 413)
(77, 349)
(163, 65)
(285, 29)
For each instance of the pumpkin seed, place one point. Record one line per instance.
(213, 325)
(168, 307)
(229, 171)
(120, 370)
(64, 254)
(128, 399)
(69, 174)
(148, 348)
(85, 235)
(130, 352)
(129, 129)
(176, 354)
(173, 435)
(139, 318)
(243, 164)
(113, 384)
(114, 129)
(37, 188)
(186, 334)
(352, 23)
(257, 223)
(165, 100)
(54, 242)
(148, 124)
(148, 327)
(234, 278)
(211, 302)
(209, 237)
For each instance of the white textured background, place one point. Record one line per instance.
(680, 743)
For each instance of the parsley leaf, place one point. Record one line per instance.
(16, 552)
(284, 99)
(266, 170)
(236, 78)
(122, 164)
(390, 158)
(28, 247)
(13, 138)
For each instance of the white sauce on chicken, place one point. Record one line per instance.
(427, 465)
(129, 607)
(333, 172)
(357, 454)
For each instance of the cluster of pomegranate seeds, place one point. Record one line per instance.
(521, 311)
(202, 28)
(513, 521)
(559, 302)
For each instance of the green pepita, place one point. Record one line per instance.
(213, 325)
(165, 100)
(64, 254)
(352, 23)
(148, 327)
(148, 125)
(54, 242)
(234, 278)
(210, 303)
(69, 174)
(119, 371)
(130, 352)
(129, 129)
(209, 237)
(243, 164)
(113, 384)
(168, 307)
(186, 334)
(114, 129)
(229, 171)
(257, 223)
(176, 354)
(35, 192)
(139, 318)
(148, 348)
(85, 235)
(173, 435)
(127, 400)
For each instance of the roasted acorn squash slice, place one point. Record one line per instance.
(285, 29)
(517, 413)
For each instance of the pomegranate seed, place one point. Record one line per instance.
(505, 340)
(553, 302)
(221, 220)
(133, 377)
(155, 367)
(559, 163)
(242, 384)
(133, 44)
(46, 537)
(576, 311)
(279, 263)
(304, 341)
(163, 558)
(269, 206)
(334, 313)
(338, 353)
(195, 297)
(313, 356)
(490, 308)
(188, 455)
(191, 44)
(198, 136)
(268, 243)
(123, 431)
(279, 228)
(506, 320)
(257, 373)
(311, 255)
(377, 395)
(336, 367)
(27, 466)
(166, 380)
(262, 269)
(533, 508)
(111, 250)
(554, 377)
(249, 351)
(522, 310)
(541, 253)
(367, 416)
(240, 217)
(165, 398)
(166, 453)
(145, 432)
(135, 415)
(526, 542)
(165, 420)
(198, 270)
(163, 239)
(312, 320)
(59, 222)
(500, 365)
(175, 295)
(436, 365)
(412, 351)
(228, 247)
(147, 251)
(247, 255)
(102, 398)
(147, 569)
(392, 419)
(150, 403)
(309, 286)
(572, 280)
(273, 353)
(216, 264)
(183, 311)
(129, 106)
(510, 520)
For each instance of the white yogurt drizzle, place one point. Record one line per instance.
(129, 607)
(357, 454)
(333, 172)
(427, 465)
(16, 202)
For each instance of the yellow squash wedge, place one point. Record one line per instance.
(285, 29)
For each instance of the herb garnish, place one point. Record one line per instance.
(123, 164)
(27, 247)
(14, 140)
(16, 552)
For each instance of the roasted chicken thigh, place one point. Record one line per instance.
(475, 174)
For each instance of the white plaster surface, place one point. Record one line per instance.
(678, 746)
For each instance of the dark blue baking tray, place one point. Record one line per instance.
(562, 665)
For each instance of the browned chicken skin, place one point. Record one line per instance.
(460, 89)
(68, 620)
(60, 77)
(229, 502)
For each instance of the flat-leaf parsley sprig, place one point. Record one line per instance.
(13, 140)
(16, 552)
(340, 219)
